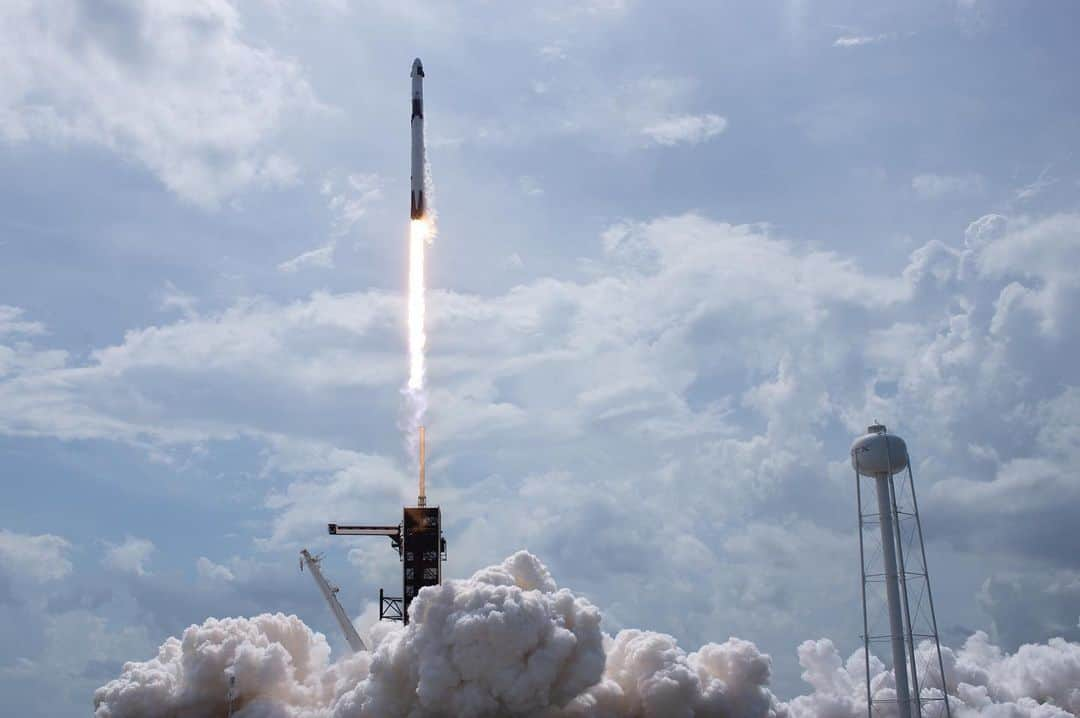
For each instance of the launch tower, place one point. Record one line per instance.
(419, 542)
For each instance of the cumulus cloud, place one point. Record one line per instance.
(129, 556)
(213, 571)
(36, 402)
(173, 298)
(123, 76)
(38, 558)
(685, 129)
(1039, 258)
(1027, 604)
(11, 322)
(642, 349)
(686, 352)
(509, 642)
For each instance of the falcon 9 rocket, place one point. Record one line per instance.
(418, 205)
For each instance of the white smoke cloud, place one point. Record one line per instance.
(1038, 680)
(509, 642)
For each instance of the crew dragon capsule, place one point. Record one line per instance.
(418, 205)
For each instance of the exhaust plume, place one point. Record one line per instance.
(509, 642)
(421, 233)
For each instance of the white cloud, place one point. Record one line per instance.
(552, 52)
(934, 186)
(79, 647)
(1039, 185)
(858, 40)
(685, 345)
(529, 186)
(573, 12)
(688, 129)
(357, 484)
(129, 556)
(12, 323)
(984, 230)
(323, 258)
(619, 350)
(350, 199)
(624, 114)
(38, 558)
(1028, 605)
(1042, 254)
(213, 571)
(45, 397)
(123, 79)
(173, 298)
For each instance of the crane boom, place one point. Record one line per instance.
(330, 594)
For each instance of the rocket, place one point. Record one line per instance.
(418, 205)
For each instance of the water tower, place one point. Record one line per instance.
(895, 580)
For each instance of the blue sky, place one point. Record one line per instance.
(686, 252)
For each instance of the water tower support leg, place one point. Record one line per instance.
(892, 594)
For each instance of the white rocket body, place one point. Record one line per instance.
(418, 204)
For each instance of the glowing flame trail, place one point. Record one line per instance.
(419, 235)
(421, 232)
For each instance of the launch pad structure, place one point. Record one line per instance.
(419, 542)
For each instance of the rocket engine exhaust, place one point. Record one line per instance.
(421, 497)
(421, 232)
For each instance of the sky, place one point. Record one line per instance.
(686, 253)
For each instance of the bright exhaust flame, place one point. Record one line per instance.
(420, 234)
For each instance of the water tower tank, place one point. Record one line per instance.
(878, 453)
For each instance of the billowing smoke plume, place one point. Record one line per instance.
(1040, 681)
(509, 642)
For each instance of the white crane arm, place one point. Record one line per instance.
(330, 594)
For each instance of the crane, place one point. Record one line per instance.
(329, 592)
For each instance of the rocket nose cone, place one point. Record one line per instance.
(417, 68)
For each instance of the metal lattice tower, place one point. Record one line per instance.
(898, 607)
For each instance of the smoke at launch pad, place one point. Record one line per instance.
(509, 642)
